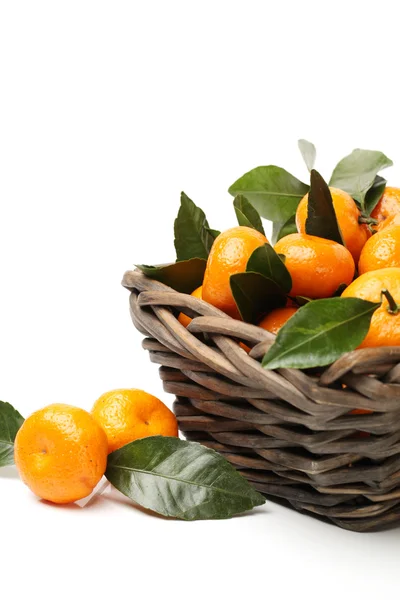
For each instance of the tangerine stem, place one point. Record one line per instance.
(393, 307)
(367, 220)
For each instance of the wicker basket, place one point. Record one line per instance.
(289, 432)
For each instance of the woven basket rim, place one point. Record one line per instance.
(182, 301)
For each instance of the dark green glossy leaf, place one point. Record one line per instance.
(193, 238)
(374, 194)
(302, 300)
(281, 229)
(273, 192)
(247, 215)
(321, 217)
(266, 261)
(184, 276)
(180, 479)
(255, 295)
(356, 172)
(308, 153)
(339, 290)
(10, 422)
(213, 232)
(320, 332)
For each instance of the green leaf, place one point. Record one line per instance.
(356, 172)
(281, 229)
(321, 217)
(246, 214)
(266, 261)
(193, 238)
(339, 291)
(10, 422)
(180, 479)
(255, 295)
(374, 194)
(213, 232)
(308, 153)
(302, 300)
(184, 276)
(273, 192)
(320, 332)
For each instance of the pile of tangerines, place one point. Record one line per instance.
(367, 265)
(61, 451)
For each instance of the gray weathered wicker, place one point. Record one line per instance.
(290, 432)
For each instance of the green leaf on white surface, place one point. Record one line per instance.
(10, 422)
(308, 153)
(180, 479)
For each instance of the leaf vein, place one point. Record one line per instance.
(321, 333)
(161, 475)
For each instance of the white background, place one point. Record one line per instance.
(107, 111)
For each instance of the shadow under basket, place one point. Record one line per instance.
(325, 442)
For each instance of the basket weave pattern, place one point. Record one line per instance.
(289, 432)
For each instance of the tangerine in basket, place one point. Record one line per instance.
(129, 414)
(382, 250)
(277, 318)
(229, 255)
(388, 206)
(347, 213)
(385, 323)
(317, 266)
(184, 319)
(389, 222)
(61, 453)
(274, 321)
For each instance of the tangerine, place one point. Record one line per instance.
(385, 323)
(129, 414)
(61, 453)
(388, 222)
(388, 206)
(382, 250)
(184, 319)
(276, 318)
(229, 255)
(347, 213)
(317, 266)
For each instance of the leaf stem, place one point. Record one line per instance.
(393, 307)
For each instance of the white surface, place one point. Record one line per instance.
(107, 111)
